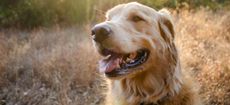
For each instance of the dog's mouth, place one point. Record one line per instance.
(118, 64)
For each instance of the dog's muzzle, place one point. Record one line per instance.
(100, 32)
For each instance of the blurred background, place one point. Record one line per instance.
(34, 13)
(47, 58)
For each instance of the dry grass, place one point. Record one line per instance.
(48, 67)
(203, 39)
(58, 66)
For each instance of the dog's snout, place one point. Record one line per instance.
(100, 32)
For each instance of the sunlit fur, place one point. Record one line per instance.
(159, 80)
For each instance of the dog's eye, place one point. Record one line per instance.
(137, 19)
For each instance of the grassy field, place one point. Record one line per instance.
(58, 66)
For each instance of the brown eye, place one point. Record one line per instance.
(137, 19)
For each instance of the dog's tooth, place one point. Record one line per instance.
(118, 64)
(123, 61)
(128, 60)
(132, 61)
(107, 57)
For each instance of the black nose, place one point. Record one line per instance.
(100, 32)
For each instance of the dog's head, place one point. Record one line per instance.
(134, 38)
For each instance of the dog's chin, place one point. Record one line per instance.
(122, 65)
(120, 75)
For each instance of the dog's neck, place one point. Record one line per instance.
(151, 85)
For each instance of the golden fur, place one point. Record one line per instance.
(159, 80)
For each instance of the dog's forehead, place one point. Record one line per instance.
(129, 8)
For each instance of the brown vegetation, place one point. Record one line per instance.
(204, 43)
(46, 67)
(58, 66)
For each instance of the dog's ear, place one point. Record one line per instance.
(166, 26)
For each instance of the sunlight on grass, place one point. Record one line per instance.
(58, 65)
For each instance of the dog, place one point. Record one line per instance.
(140, 59)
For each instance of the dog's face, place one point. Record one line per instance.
(132, 39)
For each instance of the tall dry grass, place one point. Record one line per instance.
(57, 66)
(203, 39)
(48, 67)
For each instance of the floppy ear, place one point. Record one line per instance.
(166, 26)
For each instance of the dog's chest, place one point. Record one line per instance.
(120, 96)
(117, 95)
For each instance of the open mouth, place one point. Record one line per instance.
(117, 64)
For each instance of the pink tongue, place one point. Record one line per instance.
(106, 66)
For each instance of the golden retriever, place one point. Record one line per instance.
(140, 58)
